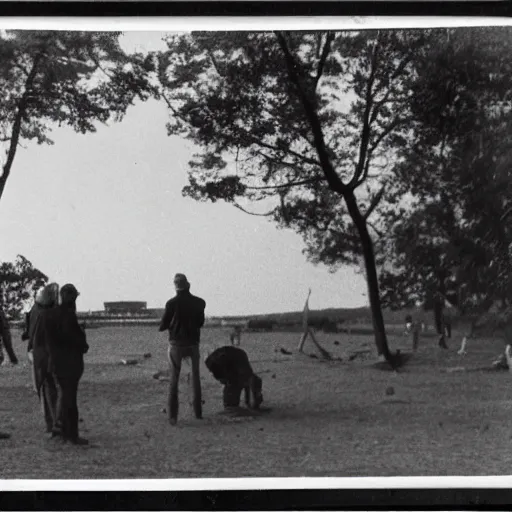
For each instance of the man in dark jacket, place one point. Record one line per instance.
(60, 342)
(45, 298)
(6, 339)
(183, 318)
(230, 366)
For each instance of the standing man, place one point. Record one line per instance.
(412, 327)
(6, 339)
(183, 318)
(59, 332)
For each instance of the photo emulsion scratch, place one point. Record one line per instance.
(234, 254)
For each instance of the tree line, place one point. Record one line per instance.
(386, 150)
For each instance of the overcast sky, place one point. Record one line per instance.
(105, 212)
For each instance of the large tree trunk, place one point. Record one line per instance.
(439, 300)
(438, 316)
(371, 278)
(16, 126)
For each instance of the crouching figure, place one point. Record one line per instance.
(230, 366)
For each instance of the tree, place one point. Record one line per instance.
(72, 78)
(456, 174)
(19, 282)
(301, 123)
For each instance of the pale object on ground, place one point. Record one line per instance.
(129, 361)
(508, 355)
(462, 351)
(456, 369)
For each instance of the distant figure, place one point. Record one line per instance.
(413, 328)
(6, 339)
(236, 335)
(447, 326)
(231, 367)
(59, 345)
(183, 318)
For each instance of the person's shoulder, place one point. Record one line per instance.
(199, 300)
(171, 301)
(48, 312)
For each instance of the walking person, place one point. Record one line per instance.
(59, 334)
(6, 339)
(183, 318)
(236, 335)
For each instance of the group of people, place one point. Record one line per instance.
(414, 328)
(57, 344)
(56, 348)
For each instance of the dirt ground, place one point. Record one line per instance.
(327, 418)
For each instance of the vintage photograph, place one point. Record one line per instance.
(276, 253)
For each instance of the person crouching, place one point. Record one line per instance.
(231, 367)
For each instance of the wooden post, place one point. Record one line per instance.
(305, 323)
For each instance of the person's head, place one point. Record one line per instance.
(68, 294)
(48, 296)
(256, 386)
(181, 283)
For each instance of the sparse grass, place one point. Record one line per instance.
(327, 418)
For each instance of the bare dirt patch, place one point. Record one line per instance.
(326, 419)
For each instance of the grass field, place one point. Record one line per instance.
(327, 418)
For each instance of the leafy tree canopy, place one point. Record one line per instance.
(19, 281)
(64, 78)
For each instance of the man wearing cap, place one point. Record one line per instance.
(183, 318)
(59, 332)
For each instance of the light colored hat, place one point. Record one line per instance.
(48, 295)
(181, 282)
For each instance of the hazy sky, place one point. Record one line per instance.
(105, 212)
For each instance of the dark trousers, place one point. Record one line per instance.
(6, 342)
(66, 408)
(231, 394)
(49, 402)
(176, 356)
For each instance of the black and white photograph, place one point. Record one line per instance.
(271, 253)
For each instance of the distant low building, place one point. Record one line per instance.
(232, 322)
(212, 322)
(125, 307)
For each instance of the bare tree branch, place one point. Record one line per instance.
(236, 205)
(18, 118)
(379, 233)
(287, 185)
(375, 202)
(386, 131)
(278, 149)
(325, 53)
(332, 178)
(365, 132)
(214, 61)
(401, 66)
